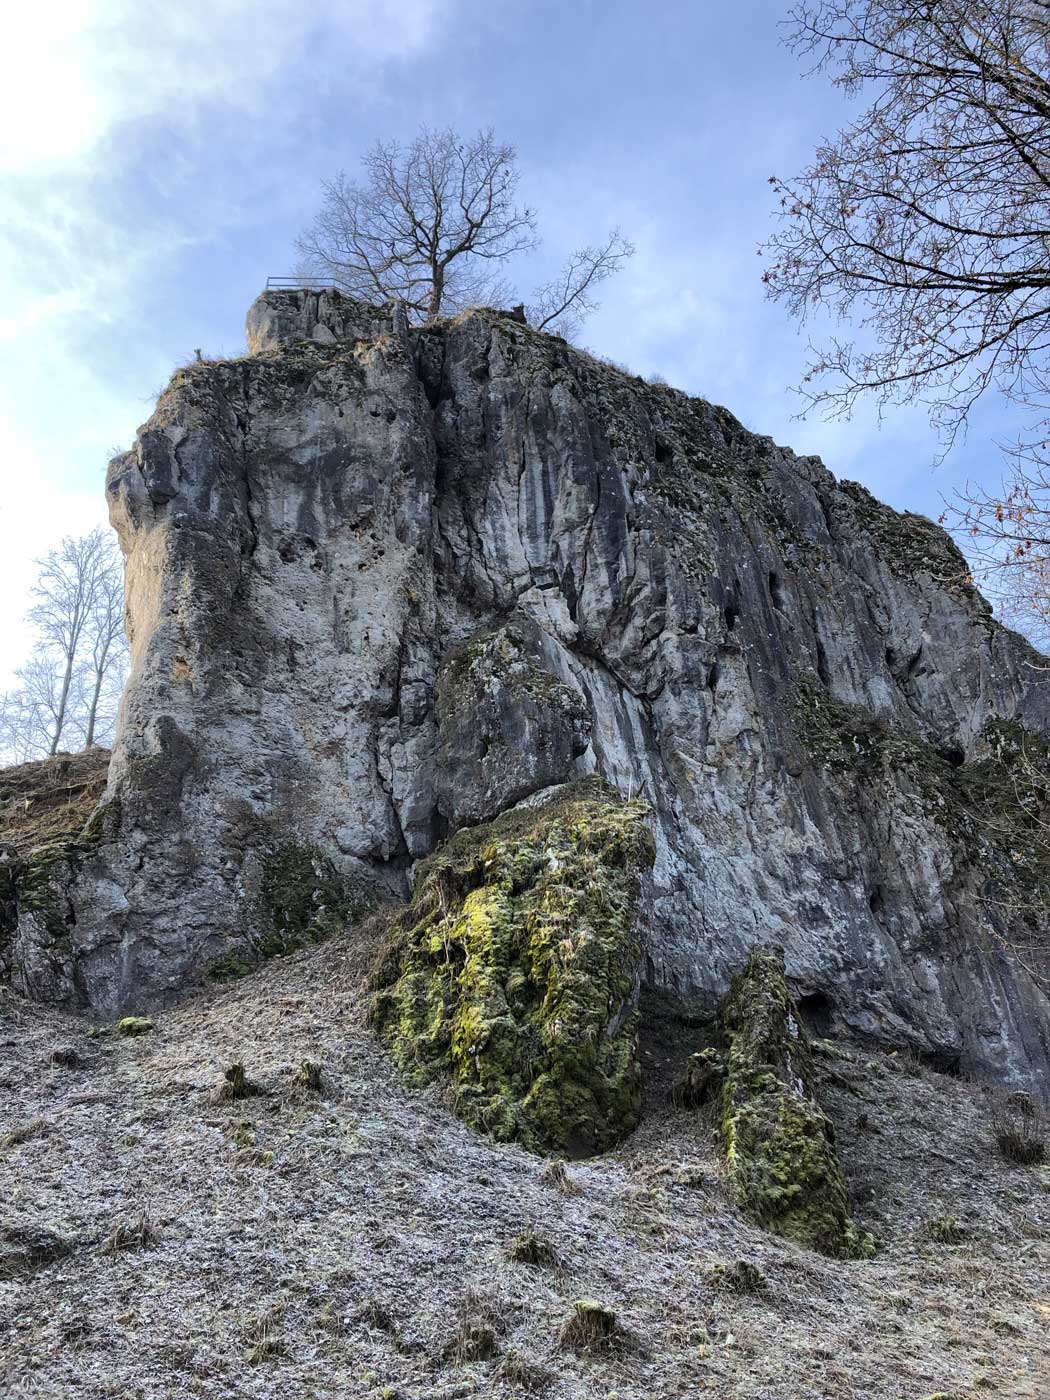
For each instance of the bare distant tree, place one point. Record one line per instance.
(433, 224)
(67, 689)
(926, 223)
(561, 305)
(427, 226)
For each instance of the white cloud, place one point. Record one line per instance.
(73, 70)
(83, 240)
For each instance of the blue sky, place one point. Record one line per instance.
(157, 161)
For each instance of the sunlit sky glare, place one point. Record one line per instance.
(157, 160)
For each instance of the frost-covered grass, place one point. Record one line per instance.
(354, 1241)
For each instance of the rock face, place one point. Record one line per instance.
(383, 583)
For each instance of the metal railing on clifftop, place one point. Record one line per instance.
(297, 284)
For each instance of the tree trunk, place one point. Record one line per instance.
(60, 718)
(437, 291)
(93, 710)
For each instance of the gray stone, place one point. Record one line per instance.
(650, 592)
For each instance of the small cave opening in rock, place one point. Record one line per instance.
(662, 451)
(712, 677)
(953, 754)
(876, 901)
(818, 1012)
(730, 612)
(776, 591)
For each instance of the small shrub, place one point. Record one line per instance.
(590, 1327)
(531, 1248)
(556, 1174)
(945, 1229)
(64, 1057)
(130, 1234)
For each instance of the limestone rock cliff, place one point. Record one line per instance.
(385, 583)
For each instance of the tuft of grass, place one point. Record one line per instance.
(236, 1085)
(24, 1132)
(263, 1336)
(739, 1277)
(306, 1081)
(516, 1369)
(1020, 1128)
(135, 1233)
(532, 1248)
(590, 1327)
(945, 1229)
(556, 1174)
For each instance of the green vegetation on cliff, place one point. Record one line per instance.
(514, 971)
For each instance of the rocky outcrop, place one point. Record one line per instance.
(383, 582)
(515, 970)
(784, 1170)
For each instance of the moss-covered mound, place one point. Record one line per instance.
(514, 971)
(783, 1167)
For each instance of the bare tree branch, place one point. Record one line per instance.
(560, 305)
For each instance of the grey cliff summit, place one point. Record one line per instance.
(386, 582)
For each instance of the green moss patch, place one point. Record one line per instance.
(514, 972)
(783, 1167)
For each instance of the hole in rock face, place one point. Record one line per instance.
(712, 676)
(954, 754)
(730, 612)
(817, 1011)
(662, 451)
(776, 591)
(876, 903)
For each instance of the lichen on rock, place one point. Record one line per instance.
(784, 1170)
(514, 971)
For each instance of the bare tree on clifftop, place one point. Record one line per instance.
(69, 688)
(434, 223)
(927, 222)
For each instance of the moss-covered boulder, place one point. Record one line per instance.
(783, 1167)
(514, 971)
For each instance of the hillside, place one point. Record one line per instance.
(357, 1241)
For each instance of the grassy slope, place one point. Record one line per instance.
(333, 1246)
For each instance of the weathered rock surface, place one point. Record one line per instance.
(818, 707)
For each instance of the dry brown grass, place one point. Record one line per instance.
(50, 800)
